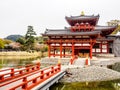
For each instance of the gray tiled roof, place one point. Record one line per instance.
(77, 19)
(103, 28)
(85, 17)
(67, 31)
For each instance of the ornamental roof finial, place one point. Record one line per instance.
(82, 13)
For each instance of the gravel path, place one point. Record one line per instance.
(89, 74)
(54, 61)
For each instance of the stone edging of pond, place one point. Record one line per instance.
(90, 74)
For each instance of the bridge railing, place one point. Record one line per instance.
(11, 73)
(17, 79)
(73, 59)
(44, 74)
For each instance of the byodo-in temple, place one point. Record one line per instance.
(83, 38)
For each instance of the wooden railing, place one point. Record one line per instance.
(82, 28)
(72, 60)
(44, 74)
(11, 73)
(70, 41)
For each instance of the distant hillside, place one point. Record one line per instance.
(13, 37)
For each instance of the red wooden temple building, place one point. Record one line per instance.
(83, 38)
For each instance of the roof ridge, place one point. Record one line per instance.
(84, 16)
(105, 26)
(56, 29)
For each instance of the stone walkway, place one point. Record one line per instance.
(79, 72)
(90, 74)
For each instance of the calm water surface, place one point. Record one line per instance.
(9, 61)
(106, 85)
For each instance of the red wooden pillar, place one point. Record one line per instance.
(24, 87)
(49, 50)
(60, 50)
(91, 44)
(73, 50)
(101, 47)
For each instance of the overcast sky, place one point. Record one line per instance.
(16, 15)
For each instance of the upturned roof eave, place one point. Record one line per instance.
(74, 34)
(82, 19)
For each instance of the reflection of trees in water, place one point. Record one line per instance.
(1, 63)
(15, 62)
(105, 85)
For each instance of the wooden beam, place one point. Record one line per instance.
(73, 48)
(101, 47)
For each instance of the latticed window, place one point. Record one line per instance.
(96, 45)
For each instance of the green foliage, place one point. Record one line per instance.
(29, 38)
(116, 30)
(30, 32)
(2, 44)
(44, 48)
(28, 42)
(6, 41)
(21, 40)
(40, 40)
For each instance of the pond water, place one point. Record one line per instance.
(105, 85)
(9, 61)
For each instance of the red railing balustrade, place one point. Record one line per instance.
(11, 73)
(28, 84)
